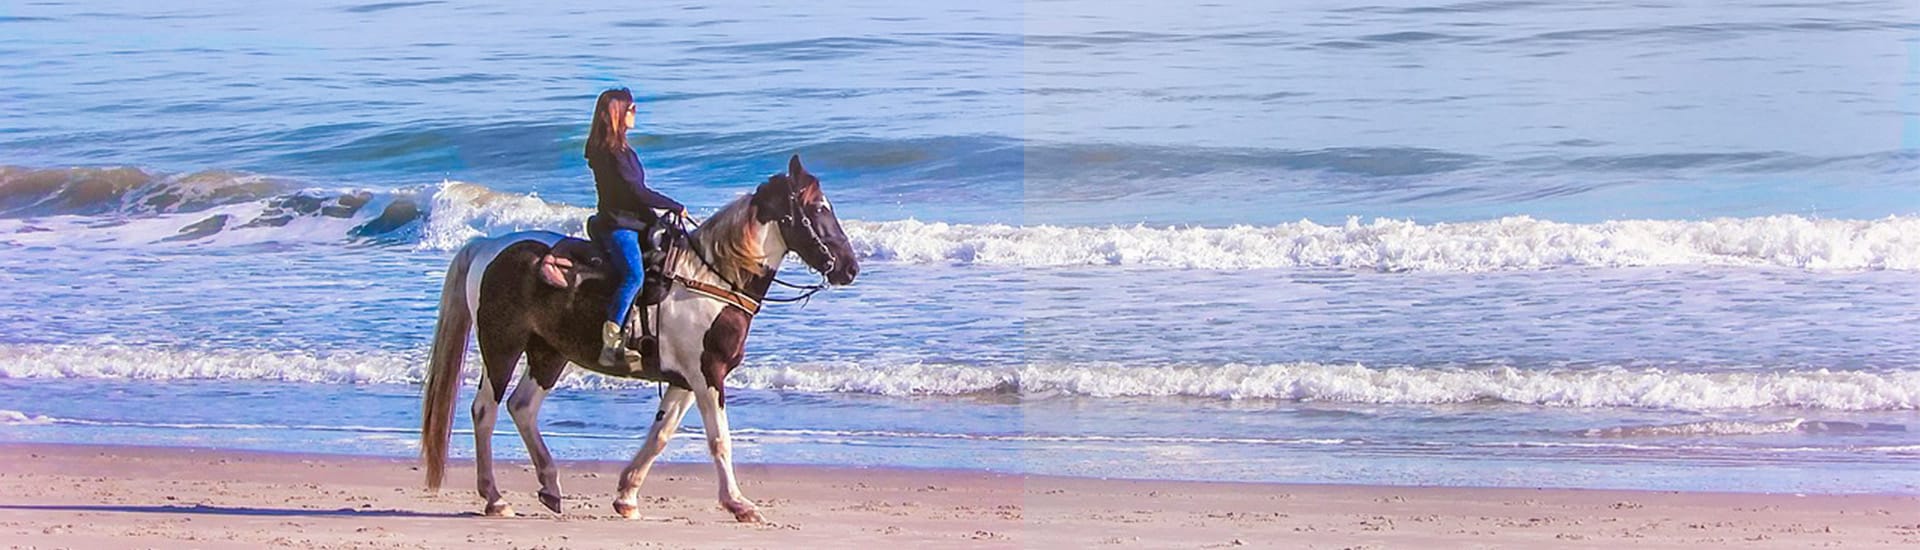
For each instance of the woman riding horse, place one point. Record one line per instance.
(627, 208)
(510, 296)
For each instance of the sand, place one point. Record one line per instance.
(73, 496)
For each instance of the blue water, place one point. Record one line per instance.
(1575, 244)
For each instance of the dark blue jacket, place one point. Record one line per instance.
(625, 200)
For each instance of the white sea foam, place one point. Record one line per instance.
(1397, 245)
(1648, 388)
(404, 436)
(1590, 387)
(444, 216)
(138, 363)
(1701, 428)
(1740, 427)
(462, 211)
(17, 418)
(1040, 438)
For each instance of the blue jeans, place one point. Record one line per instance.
(633, 275)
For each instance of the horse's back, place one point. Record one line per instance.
(488, 249)
(484, 250)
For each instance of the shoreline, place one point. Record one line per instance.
(514, 459)
(106, 496)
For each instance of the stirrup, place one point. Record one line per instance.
(639, 338)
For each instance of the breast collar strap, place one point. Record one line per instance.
(724, 295)
(730, 293)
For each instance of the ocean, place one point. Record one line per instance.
(1651, 245)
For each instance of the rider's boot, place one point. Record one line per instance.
(613, 348)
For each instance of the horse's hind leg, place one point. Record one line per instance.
(544, 365)
(673, 407)
(499, 360)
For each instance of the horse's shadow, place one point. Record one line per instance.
(228, 511)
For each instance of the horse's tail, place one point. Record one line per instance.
(443, 368)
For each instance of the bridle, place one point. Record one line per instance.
(795, 217)
(792, 219)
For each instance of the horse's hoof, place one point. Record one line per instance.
(744, 512)
(627, 510)
(551, 501)
(499, 510)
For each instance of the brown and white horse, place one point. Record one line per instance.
(495, 287)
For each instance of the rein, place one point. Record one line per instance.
(806, 291)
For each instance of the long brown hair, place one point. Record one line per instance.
(609, 132)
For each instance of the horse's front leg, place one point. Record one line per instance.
(673, 407)
(713, 412)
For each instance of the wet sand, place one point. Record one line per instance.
(74, 496)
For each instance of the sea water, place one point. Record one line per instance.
(1571, 244)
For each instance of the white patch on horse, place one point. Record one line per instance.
(686, 315)
(490, 249)
(673, 407)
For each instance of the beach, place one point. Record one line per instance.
(1397, 274)
(82, 496)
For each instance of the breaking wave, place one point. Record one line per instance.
(127, 207)
(1609, 387)
(1397, 245)
(1740, 427)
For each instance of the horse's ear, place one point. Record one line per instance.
(794, 169)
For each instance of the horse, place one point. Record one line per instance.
(540, 294)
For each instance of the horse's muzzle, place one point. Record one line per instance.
(842, 277)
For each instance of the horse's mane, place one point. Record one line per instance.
(731, 241)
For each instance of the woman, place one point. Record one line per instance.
(627, 207)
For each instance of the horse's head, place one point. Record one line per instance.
(807, 223)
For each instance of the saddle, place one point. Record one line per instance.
(573, 260)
